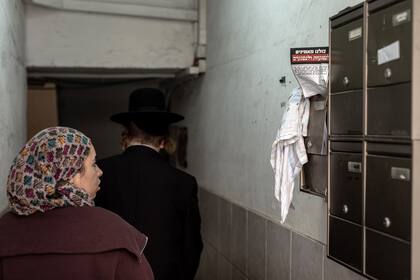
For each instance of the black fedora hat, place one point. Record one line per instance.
(147, 105)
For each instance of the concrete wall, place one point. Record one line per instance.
(57, 38)
(12, 87)
(233, 113)
(178, 4)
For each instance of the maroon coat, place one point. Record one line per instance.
(71, 243)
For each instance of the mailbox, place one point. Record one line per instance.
(347, 50)
(345, 242)
(388, 193)
(346, 182)
(346, 99)
(370, 145)
(387, 258)
(389, 111)
(347, 113)
(314, 174)
(316, 141)
(389, 43)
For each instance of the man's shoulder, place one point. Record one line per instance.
(183, 175)
(171, 172)
(111, 160)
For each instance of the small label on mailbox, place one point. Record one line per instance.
(389, 53)
(354, 167)
(400, 18)
(399, 173)
(355, 33)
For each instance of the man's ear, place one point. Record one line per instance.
(124, 141)
(162, 143)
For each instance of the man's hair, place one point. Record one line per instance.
(134, 133)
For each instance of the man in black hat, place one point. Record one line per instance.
(156, 198)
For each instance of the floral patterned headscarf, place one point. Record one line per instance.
(39, 179)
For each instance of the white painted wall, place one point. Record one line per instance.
(178, 4)
(233, 112)
(12, 87)
(58, 38)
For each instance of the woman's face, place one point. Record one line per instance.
(88, 177)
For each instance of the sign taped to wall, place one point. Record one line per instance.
(310, 67)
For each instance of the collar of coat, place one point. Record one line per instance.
(144, 150)
(144, 145)
(71, 230)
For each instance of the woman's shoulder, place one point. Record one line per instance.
(112, 230)
(69, 230)
(97, 215)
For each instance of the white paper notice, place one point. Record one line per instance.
(389, 53)
(355, 33)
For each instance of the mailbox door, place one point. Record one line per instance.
(346, 186)
(389, 45)
(346, 113)
(315, 174)
(387, 258)
(389, 111)
(346, 242)
(347, 56)
(316, 140)
(388, 195)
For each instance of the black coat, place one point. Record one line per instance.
(159, 200)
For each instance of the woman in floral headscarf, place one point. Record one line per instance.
(52, 231)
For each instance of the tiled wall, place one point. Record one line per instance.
(240, 245)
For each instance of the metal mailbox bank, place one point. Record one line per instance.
(370, 139)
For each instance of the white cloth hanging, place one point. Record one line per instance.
(288, 153)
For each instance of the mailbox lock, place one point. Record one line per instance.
(346, 81)
(387, 73)
(387, 222)
(345, 209)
